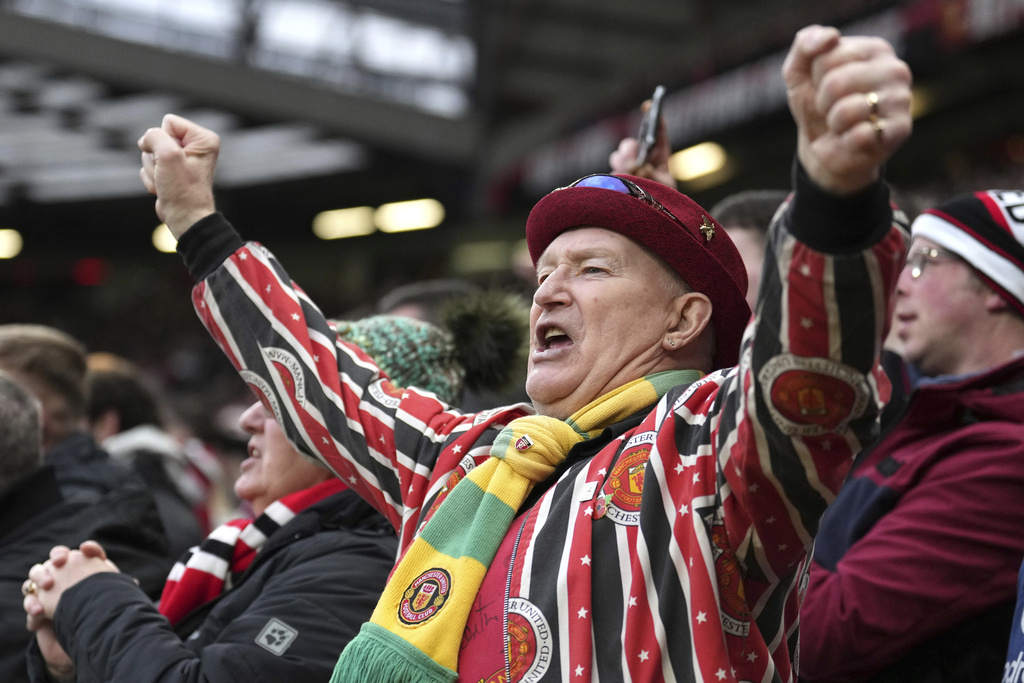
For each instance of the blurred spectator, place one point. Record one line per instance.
(275, 598)
(52, 365)
(35, 516)
(424, 299)
(215, 467)
(914, 569)
(21, 449)
(319, 579)
(746, 216)
(207, 426)
(125, 419)
(484, 332)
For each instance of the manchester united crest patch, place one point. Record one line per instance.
(424, 597)
(812, 396)
(624, 489)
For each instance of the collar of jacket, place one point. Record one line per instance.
(27, 497)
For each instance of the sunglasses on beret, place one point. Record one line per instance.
(616, 184)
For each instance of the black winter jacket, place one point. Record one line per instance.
(34, 517)
(287, 618)
(84, 470)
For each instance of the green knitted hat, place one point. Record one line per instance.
(413, 353)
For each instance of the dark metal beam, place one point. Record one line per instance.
(250, 92)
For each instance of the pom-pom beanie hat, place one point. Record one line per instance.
(986, 229)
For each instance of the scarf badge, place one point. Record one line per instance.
(524, 442)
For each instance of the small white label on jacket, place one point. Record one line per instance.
(276, 637)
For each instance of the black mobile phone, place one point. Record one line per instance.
(649, 127)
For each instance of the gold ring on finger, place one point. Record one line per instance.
(872, 99)
(879, 126)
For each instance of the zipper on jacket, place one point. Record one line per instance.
(508, 590)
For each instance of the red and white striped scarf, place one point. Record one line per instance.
(203, 572)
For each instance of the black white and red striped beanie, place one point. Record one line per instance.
(986, 229)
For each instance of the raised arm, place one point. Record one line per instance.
(850, 98)
(330, 398)
(178, 163)
(811, 385)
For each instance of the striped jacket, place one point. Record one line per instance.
(673, 546)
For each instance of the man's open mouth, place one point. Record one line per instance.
(553, 338)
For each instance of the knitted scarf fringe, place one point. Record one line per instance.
(380, 655)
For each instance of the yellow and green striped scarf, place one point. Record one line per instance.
(415, 631)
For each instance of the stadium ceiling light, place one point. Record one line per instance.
(10, 243)
(339, 223)
(697, 161)
(417, 214)
(922, 101)
(163, 240)
(476, 257)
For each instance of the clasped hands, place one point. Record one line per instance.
(43, 589)
(47, 581)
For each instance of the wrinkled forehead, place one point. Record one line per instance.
(583, 242)
(577, 245)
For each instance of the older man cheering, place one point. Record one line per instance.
(651, 521)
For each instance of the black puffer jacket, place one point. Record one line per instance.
(86, 471)
(34, 517)
(310, 588)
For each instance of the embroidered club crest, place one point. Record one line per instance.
(812, 396)
(625, 488)
(530, 641)
(424, 597)
(734, 612)
(524, 442)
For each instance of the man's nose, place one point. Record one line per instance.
(905, 281)
(551, 291)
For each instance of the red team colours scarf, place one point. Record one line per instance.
(203, 572)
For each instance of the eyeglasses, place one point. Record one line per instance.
(623, 186)
(922, 256)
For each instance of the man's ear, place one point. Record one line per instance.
(692, 314)
(994, 303)
(108, 424)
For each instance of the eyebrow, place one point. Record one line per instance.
(583, 254)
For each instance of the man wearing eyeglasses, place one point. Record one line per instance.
(648, 518)
(915, 567)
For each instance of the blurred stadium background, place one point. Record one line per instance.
(331, 112)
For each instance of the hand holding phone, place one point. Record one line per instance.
(649, 127)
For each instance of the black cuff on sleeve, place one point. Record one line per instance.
(835, 225)
(207, 244)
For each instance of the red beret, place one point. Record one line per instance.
(696, 246)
